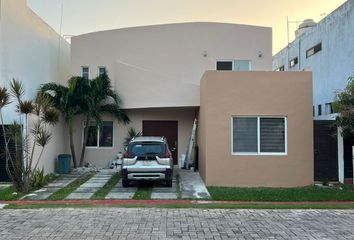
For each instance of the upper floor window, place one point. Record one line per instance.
(233, 65)
(85, 72)
(313, 50)
(293, 62)
(319, 108)
(101, 70)
(329, 108)
(280, 69)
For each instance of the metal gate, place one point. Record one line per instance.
(325, 150)
(3, 174)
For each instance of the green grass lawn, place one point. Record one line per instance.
(102, 192)
(144, 191)
(309, 193)
(10, 193)
(64, 192)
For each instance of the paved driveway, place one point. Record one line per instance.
(125, 223)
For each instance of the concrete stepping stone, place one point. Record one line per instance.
(87, 189)
(160, 191)
(192, 185)
(118, 192)
(52, 187)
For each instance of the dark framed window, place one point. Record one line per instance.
(315, 49)
(224, 65)
(280, 69)
(259, 135)
(85, 72)
(293, 62)
(319, 107)
(101, 71)
(101, 136)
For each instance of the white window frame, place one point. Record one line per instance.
(82, 71)
(259, 153)
(98, 70)
(233, 63)
(98, 136)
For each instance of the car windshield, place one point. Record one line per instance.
(142, 149)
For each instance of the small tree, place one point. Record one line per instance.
(20, 158)
(344, 106)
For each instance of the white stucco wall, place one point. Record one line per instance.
(33, 53)
(30, 51)
(331, 66)
(161, 65)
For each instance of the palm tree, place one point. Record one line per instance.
(99, 99)
(67, 100)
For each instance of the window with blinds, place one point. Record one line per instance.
(259, 135)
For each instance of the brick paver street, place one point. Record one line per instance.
(149, 223)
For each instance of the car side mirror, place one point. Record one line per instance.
(126, 148)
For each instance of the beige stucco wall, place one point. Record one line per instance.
(225, 94)
(161, 65)
(101, 157)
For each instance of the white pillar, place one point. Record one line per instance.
(340, 147)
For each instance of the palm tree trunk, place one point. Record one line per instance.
(72, 147)
(83, 149)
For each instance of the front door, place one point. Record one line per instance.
(168, 129)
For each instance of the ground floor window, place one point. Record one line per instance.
(101, 136)
(253, 135)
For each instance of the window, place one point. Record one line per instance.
(224, 65)
(259, 135)
(319, 110)
(313, 111)
(328, 108)
(280, 69)
(233, 65)
(293, 62)
(101, 71)
(85, 72)
(313, 50)
(100, 136)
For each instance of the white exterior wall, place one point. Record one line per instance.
(33, 53)
(331, 66)
(163, 64)
(30, 51)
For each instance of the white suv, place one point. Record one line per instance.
(147, 158)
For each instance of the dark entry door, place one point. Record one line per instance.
(326, 150)
(168, 129)
(3, 174)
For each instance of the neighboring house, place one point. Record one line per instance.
(34, 53)
(253, 130)
(157, 69)
(326, 49)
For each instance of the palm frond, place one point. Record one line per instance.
(50, 116)
(25, 107)
(4, 97)
(116, 111)
(17, 89)
(43, 137)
